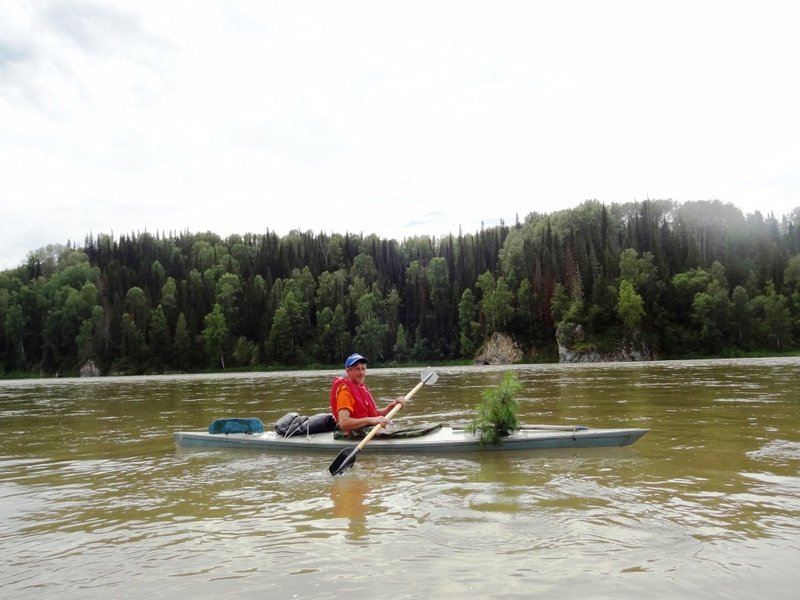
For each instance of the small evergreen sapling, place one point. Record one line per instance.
(497, 414)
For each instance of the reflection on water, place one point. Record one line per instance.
(349, 496)
(95, 500)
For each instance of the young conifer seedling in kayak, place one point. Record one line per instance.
(497, 414)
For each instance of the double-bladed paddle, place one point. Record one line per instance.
(347, 457)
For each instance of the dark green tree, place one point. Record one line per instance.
(182, 344)
(159, 339)
(468, 325)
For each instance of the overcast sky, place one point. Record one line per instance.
(394, 118)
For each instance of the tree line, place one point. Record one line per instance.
(684, 279)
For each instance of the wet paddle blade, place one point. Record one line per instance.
(343, 461)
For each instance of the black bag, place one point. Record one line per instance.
(321, 423)
(289, 423)
(295, 424)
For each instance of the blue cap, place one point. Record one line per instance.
(353, 359)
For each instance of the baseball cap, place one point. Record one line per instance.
(353, 359)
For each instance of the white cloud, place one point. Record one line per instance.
(417, 118)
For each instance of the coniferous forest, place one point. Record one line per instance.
(681, 279)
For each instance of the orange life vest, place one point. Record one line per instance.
(364, 404)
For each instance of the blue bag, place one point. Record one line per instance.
(236, 426)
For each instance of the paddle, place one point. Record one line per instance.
(347, 457)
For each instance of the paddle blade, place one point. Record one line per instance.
(345, 459)
(428, 376)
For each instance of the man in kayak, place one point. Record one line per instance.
(351, 401)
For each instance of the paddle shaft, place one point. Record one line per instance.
(375, 430)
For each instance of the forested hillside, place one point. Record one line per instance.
(690, 279)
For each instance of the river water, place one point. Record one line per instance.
(97, 502)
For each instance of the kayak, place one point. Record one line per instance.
(441, 439)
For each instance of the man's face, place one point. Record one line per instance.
(357, 372)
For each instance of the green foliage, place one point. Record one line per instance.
(242, 352)
(497, 302)
(133, 347)
(777, 321)
(711, 313)
(215, 334)
(704, 279)
(401, 351)
(372, 333)
(182, 344)
(639, 271)
(630, 306)
(497, 413)
(159, 340)
(560, 303)
(468, 324)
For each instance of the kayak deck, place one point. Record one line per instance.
(444, 439)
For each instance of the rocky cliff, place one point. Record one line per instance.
(499, 349)
(572, 348)
(89, 369)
